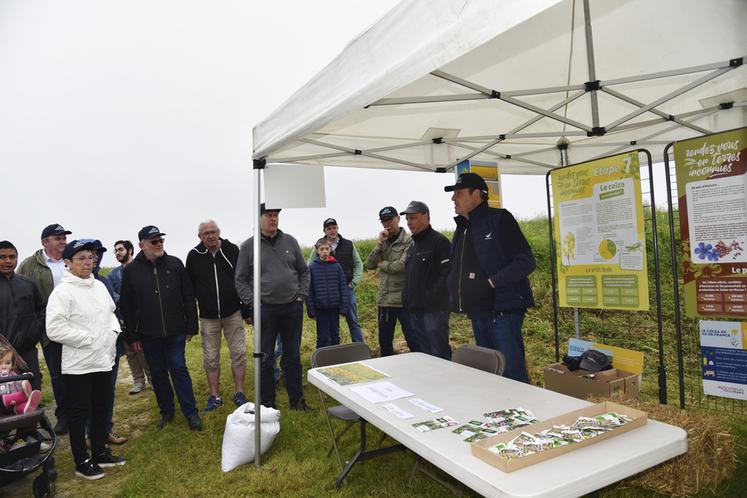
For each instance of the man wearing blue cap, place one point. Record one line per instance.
(490, 264)
(46, 268)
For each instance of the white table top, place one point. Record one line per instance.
(466, 393)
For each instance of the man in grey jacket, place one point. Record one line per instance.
(284, 286)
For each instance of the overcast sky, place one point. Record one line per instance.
(115, 115)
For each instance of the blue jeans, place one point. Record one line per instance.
(327, 327)
(53, 359)
(286, 321)
(388, 316)
(432, 332)
(502, 332)
(356, 334)
(165, 357)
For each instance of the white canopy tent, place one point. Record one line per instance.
(439, 81)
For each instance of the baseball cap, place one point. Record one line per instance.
(54, 229)
(149, 232)
(594, 361)
(74, 247)
(328, 222)
(468, 180)
(263, 209)
(97, 245)
(416, 207)
(387, 212)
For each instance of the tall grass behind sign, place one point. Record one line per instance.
(712, 187)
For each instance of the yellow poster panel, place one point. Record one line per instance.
(489, 172)
(600, 240)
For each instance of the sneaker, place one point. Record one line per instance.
(61, 427)
(114, 439)
(165, 419)
(89, 470)
(213, 403)
(137, 388)
(107, 459)
(301, 406)
(239, 399)
(195, 424)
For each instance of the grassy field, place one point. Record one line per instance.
(177, 462)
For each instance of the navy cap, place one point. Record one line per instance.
(97, 245)
(387, 212)
(468, 180)
(416, 207)
(149, 232)
(328, 222)
(54, 229)
(263, 209)
(74, 247)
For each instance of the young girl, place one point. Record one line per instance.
(328, 296)
(16, 397)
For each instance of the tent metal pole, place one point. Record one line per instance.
(663, 114)
(591, 64)
(667, 74)
(553, 275)
(358, 152)
(258, 166)
(430, 99)
(505, 156)
(694, 84)
(547, 114)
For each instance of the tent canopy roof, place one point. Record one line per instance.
(435, 82)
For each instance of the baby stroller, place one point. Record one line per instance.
(27, 442)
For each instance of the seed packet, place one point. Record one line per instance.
(437, 423)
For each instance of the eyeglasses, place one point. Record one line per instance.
(156, 242)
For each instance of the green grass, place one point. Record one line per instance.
(177, 462)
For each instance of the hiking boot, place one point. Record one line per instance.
(213, 403)
(114, 439)
(61, 427)
(138, 387)
(239, 399)
(301, 406)
(165, 419)
(195, 424)
(107, 459)
(89, 470)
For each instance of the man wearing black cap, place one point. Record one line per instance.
(347, 255)
(285, 284)
(426, 295)
(160, 315)
(46, 268)
(489, 280)
(389, 257)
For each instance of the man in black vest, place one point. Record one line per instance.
(347, 255)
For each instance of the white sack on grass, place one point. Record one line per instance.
(238, 438)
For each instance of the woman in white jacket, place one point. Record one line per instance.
(80, 316)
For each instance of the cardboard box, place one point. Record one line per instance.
(580, 385)
(481, 450)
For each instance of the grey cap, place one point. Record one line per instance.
(416, 207)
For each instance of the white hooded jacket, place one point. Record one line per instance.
(80, 316)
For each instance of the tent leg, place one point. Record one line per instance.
(258, 166)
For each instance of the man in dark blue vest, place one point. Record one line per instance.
(352, 266)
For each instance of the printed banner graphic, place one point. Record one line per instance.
(600, 242)
(489, 172)
(723, 350)
(712, 188)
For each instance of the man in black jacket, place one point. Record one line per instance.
(21, 310)
(160, 315)
(426, 295)
(212, 267)
(491, 263)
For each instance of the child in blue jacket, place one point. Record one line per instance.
(328, 296)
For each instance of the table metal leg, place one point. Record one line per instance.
(362, 454)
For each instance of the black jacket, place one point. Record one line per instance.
(157, 301)
(213, 279)
(343, 253)
(500, 252)
(22, 311)
(426, 270)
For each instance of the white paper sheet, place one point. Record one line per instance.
(380, 391)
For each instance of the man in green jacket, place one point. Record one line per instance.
(46, 267)
(389, 257)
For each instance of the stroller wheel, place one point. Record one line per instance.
(43, 487)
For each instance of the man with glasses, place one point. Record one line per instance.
(160, 315)
(389, 257)
(46, 268)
